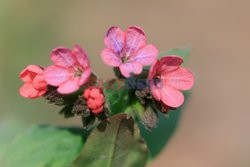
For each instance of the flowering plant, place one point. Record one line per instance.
(146, 89)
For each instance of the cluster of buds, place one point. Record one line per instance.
(95, 99)
(65, 82)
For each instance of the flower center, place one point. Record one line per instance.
(157, 79)
(78, 72)
(157, 76)
(125, 58)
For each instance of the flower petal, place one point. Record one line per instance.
(95, 93)
(181, 79)
(81, 56)
(55, 75)
(28, 74)
(91, 103)
(98, 110)
(156, 93)
(114, 39)
(62, 57)
(85, 76)
(171, 97)
(110, 58)
(39, 83)
(146, 55)
(170, 63)
(86, 93)
(135, 39)
(28, 91)
(69, 86)
(153, 69)
(42, 92)
(128, 68)
(99, 102)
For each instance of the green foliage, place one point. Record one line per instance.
(157, 138)
(184, 53)
(44, 146)
(156, 128)
(117, 99)
(115, 142)
(9, 130)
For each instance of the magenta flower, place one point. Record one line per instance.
(128, 50)
(71, 69)
(174, 78)
(34, 84)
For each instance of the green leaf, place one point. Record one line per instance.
(182, 52)
(135, 108)
(115, 142)
(158, 137)
(44, 146)
(117, 99)
(9, 130)
(142, 113)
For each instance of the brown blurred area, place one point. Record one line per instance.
(215, 128)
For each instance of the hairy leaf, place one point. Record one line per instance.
(116, 142)
(158, 137)
(43, 146)
(117, 99)
(9, 130)
(149, 118)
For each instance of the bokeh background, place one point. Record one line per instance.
(214, 130)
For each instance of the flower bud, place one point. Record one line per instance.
(94, 99)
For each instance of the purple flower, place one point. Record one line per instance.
(128, 50)
(70, 71)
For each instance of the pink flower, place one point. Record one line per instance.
(95, 99)
(128, 50)
(174, 78)
(71, 69)
(34, 83)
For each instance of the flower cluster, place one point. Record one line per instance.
(128, 52)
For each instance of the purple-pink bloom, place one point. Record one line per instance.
(128, 50)
(71, 69)
(174, 78)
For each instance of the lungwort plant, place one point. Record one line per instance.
(126, 120)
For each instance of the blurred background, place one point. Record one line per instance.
(214, 130)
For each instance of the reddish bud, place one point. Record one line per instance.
(95, 99)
